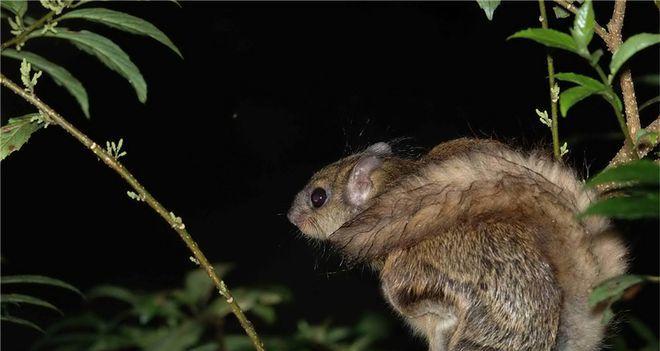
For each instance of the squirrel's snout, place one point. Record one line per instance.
(294, 217)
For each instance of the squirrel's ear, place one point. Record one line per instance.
(359, 184)
(380, 149)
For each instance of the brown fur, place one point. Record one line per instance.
(477, 245)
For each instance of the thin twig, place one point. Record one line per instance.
(615, 25)
(602, 33)
(173, 221)
(554, 127)
(34, 26)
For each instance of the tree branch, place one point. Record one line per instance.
(602, 33)
(613, 39)
(554, 127)
(625, 80)
(624, 154)
(172, 220)
(34, 26)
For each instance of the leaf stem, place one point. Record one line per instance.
(554, 127)
(23, 36)
(619, 115)
(173, 221)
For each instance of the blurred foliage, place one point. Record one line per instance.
(194, 317)
(11, 301)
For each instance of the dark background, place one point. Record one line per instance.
(268, 93)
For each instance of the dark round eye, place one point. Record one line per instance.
(318, 197)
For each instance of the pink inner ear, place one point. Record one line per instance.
(359, 184)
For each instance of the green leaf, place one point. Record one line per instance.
(583, 28)
(60, 75)
(582, 80)
(26, 299)
(21, 321)
(113, 292)
(16, 132)
(108, 53)
(548, 37)
(38, 279)
(644, 205)
(572, 96)
(629, 48)
(17, 7)
(489, 7)
(595, 86)
(238, 342)
(198, 285)
(122, 21)
(613, 288)
(560, 12)
(643, 172)
(179, 339)
(266, 313)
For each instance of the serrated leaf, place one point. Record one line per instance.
(572, 96)
(582, 80)
(26, 299)
(613, 288)
(560, 12)
(122, 21)
(17, 7)
(642, 172)
(16, 133)
(21, 321)
(489, 7)
(113, 292)
(109, 53)
(643, 205)
(59, 74)
(629, 48)
(38, 279)
(548, 37)
(583, 28)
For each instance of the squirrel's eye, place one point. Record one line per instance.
(318, 197)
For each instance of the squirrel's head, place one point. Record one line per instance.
(341, 190)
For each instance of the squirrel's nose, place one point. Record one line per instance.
(294, 217)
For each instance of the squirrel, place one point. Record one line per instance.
(477, 245)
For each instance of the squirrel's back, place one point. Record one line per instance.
(583, 252)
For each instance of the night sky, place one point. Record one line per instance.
(265, 95)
